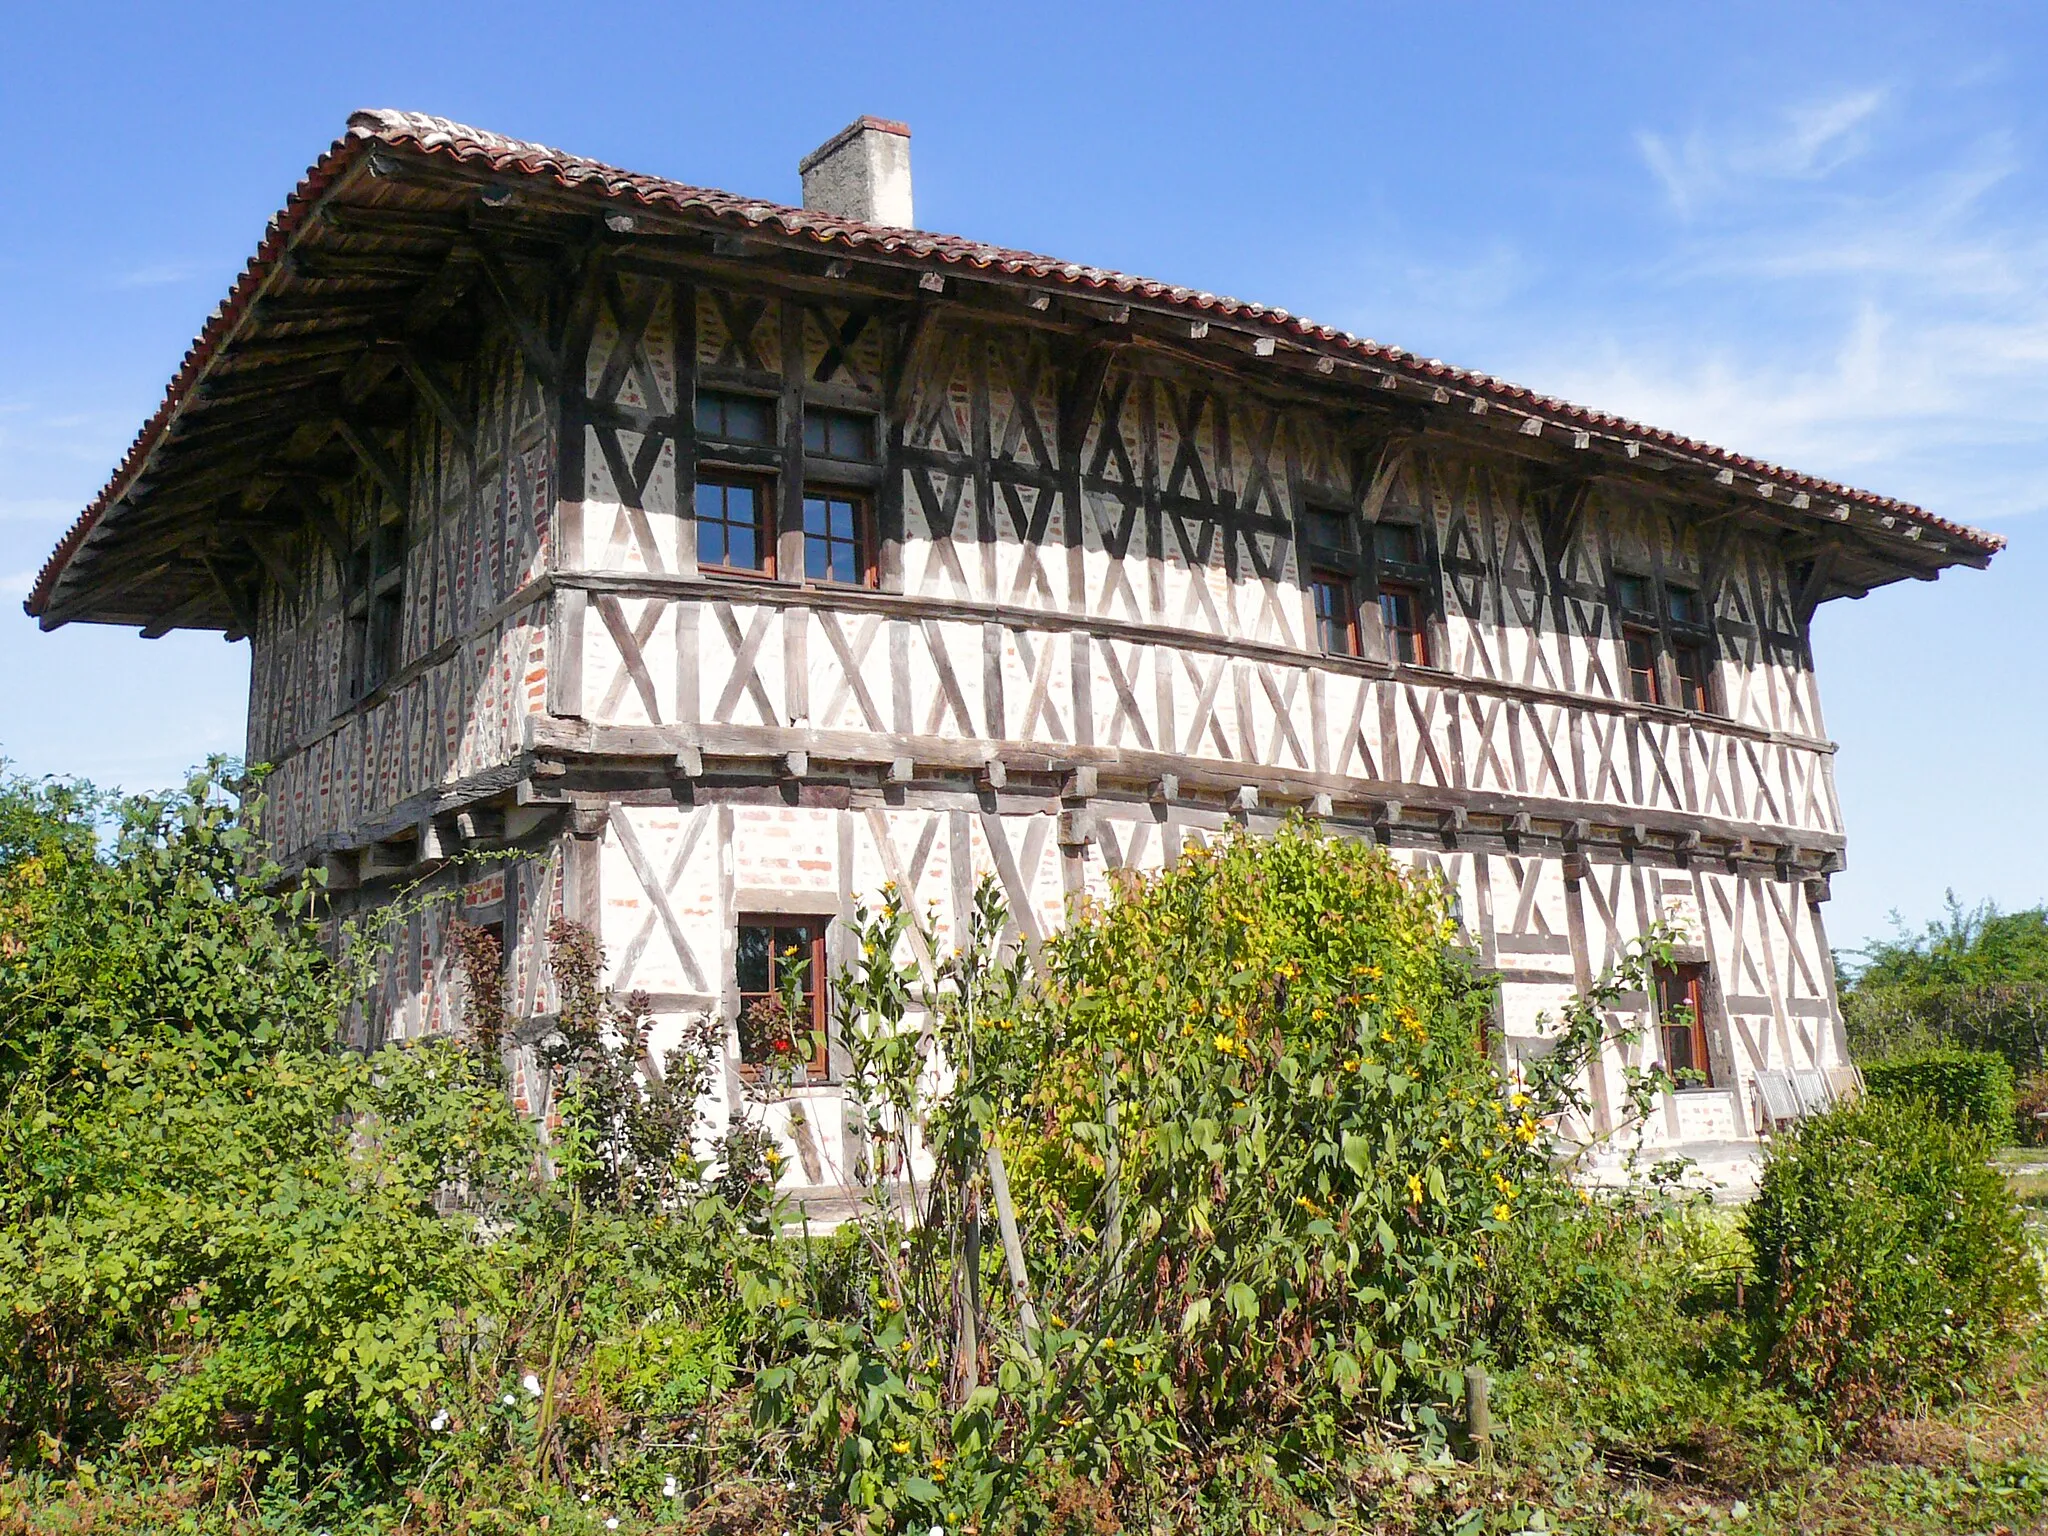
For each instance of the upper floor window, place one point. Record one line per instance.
(1402, 616)
(1397, 544)
(1695, 675)
(735, 418)
(836, 434)
(838, 538)
(777, 958)
(1666, 640)
(375, 607)
(1641, 647)
(735, 524)
(1336, 613)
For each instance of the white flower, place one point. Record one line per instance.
(668, 1487)
(439, 1421)
(938, 1530)
(532, 1384)
(511, 1398)
(611, 1522)
(586, 1498)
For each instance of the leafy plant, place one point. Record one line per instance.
(1963, 1087)
(1890, 1257)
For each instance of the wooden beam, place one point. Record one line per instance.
(511, 306)
(1815, 586)
(440, 397)
(231, 589)
(179, 617)
(376, 460)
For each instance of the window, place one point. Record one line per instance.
(1695, 689)
(1336, 613)
(837, 545)
(839, 434)
(1323, 529)
(1641, 646)
(1401, 614)
(772, 955)
(1667, 641)
(376, 607)
(734, 529)
(736, 418)
(1397, 544)
(1682, 1024)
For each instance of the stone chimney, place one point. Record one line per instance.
(862, 172)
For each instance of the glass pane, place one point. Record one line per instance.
(738, 418)
(1326, 530)
(750, 958)
(817, 517)
(1398, 542)
(841, 520)
(1634, 593)
(843, 568)
(1683, 605)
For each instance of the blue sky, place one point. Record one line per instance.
(1813, 233)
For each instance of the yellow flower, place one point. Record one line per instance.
(1350, 1063)
(1110, 1342)
(1225, 1044)
(938, 1477)
(931, 1363)
(1479, 1259)
(907, 1346)
(1501, 1213)
(901, 1447)
(1414, 1189)
(1307, 1205)
(889, 1303)
(785, 1302)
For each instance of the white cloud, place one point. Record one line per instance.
(160, 274)
(1877, 314)
(1804, 143)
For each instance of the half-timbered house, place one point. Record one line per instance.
(716, 562)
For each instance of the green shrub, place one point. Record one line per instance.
(1890, 1256)
(1962, 1087)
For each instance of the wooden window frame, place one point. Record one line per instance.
(867, 561)
(1342, 622)
(1652, 642)
(374, 611)
(1390, 592)
(816, 1062)
(753, 444)
(763, 486)
(1672, 641)
(1684, 986)
(1689, 646)
(825, 415)
(1416, 580)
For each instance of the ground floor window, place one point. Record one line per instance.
(775, 955)
(1682, 1024)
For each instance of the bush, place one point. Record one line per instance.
(1890, 1257)
(1962, 1087)
(2030, 1110)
